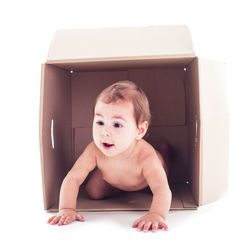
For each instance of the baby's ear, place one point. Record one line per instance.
(142, 129)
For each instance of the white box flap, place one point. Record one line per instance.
(214, 131)
(121, 43)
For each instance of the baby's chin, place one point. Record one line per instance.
(109, 153)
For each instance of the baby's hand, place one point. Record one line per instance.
(64, 217)
(150, 220)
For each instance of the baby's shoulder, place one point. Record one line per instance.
(96, 152)
(91, 147)
(147, 152)
(150, 160)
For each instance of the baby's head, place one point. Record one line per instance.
(121, 117)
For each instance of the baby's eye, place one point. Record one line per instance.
(118, 125)
(100, 123)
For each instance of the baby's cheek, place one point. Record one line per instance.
(126, 141)
(95, 131)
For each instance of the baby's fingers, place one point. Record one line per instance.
(55, 220)
(61, 221)
(154, 227)
(68, 220)
(147, 226)
(79, 217)
(135, 224)
(163, 225)
(50, 219)
(140, 226)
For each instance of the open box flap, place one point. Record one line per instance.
(120, 43)
(214, 131)
(55, 131)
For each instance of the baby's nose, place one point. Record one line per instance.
(105, 132)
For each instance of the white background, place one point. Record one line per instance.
(220, 30)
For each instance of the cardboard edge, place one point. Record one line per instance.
(183, 200)
(41, 132)
(203, 198)
(114, 59)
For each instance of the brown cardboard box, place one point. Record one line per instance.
(188, 103)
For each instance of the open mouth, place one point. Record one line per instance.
(107, 145)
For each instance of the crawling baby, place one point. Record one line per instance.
(121, 159)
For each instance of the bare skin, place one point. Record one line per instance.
(129, 164)
(65, 216)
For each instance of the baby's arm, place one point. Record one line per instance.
(158, 183)
(70, 187)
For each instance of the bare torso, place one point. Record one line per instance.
(127, 175)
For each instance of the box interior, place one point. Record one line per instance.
(68, 94)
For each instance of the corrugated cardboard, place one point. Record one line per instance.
(187, 98)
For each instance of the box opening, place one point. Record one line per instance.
(69, 89)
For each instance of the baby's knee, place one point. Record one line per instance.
(93, 193)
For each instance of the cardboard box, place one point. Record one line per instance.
(188, 103)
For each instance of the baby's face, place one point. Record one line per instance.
(114, 127)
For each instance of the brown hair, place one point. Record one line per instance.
(128, 91)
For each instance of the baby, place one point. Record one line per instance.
(120, 158)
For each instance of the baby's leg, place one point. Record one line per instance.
(97, 188)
